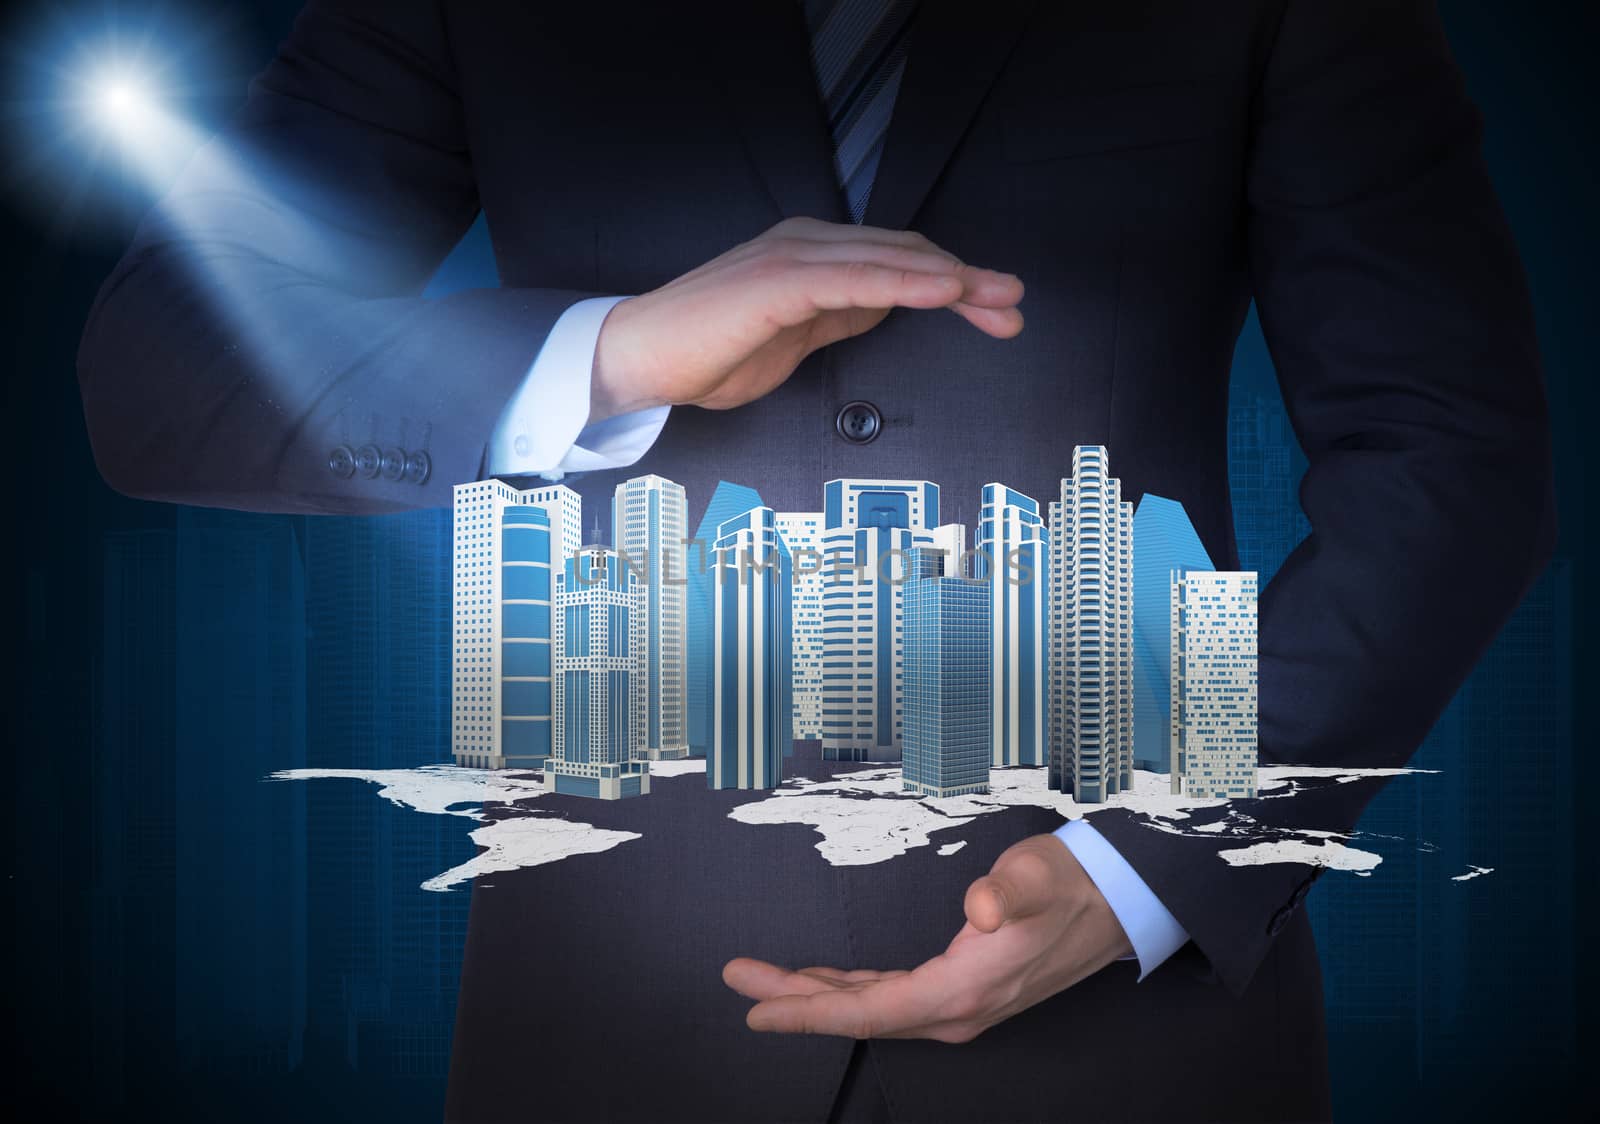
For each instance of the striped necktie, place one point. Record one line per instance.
(858, 51)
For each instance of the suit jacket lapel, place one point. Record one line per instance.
(955, 52)
(763, 51)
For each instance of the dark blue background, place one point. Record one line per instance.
(192, 941)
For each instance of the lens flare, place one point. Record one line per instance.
(120, 103)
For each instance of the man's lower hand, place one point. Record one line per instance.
(734, 329)
(1036, 925)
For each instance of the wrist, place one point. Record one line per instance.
(614, 385)
(1092, 910)
(1099, 920)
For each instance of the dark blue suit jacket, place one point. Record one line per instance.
(1148, 167)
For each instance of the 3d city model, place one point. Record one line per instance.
(1089, 644)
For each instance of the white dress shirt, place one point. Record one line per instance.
(543, 431)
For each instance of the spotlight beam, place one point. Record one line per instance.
(119, 102)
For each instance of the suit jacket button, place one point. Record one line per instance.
(393, 464)
(342, 462)
(418, 467)
(368, 460)
(858, 422)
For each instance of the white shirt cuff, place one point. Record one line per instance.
(615, 442)
(542, 431)
(1152, 930)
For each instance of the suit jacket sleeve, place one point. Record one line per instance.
(269, 310)
(1395, 308)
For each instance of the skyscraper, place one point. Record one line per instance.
(525, 652)
(880, 503)
(727, 501)
(599, 715)
(1125, 695)
(1213, 616)
(482, 605)
(869, 527)
(1012, 554)
(1091, 547)
(649, 522)
(753, 727)
(802, 532)
(1163, 540)
(947, 680)
(950, 541)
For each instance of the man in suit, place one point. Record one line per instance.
(790, 196)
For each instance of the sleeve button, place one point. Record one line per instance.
(368, 460)
(393, 464)
(419, 466)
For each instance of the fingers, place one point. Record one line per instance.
(857, 975)
(790, 236)
(791, 294)
(814, 241)
(894, 1007)
(1022, 883)
(1001, 323)
(819, 231)
(757, 979)
(831, 327)
(983, 288)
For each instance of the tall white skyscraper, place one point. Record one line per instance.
(1126, 695)
(802, 531)
(869, 529)
(649, 523)
(1214, 715)
(950, 539)
(1091, 563)
(599, 698)
(500, 604)
(1012, 553)
(752, 723)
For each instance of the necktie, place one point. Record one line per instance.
(858, 51)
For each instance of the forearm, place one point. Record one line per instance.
(268, 322)
(236, 384)
(1394, 305)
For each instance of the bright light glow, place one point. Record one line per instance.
(118, 102)
(113, 118)
(121, 102)
(106, 102)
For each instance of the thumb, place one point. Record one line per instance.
(831, 327)
(1021, 883)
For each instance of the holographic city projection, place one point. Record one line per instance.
(868, 631)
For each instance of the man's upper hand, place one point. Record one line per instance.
(1036, 925)
(734, 329)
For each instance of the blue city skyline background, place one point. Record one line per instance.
(188, 936)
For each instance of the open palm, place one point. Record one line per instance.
(1035, 926)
